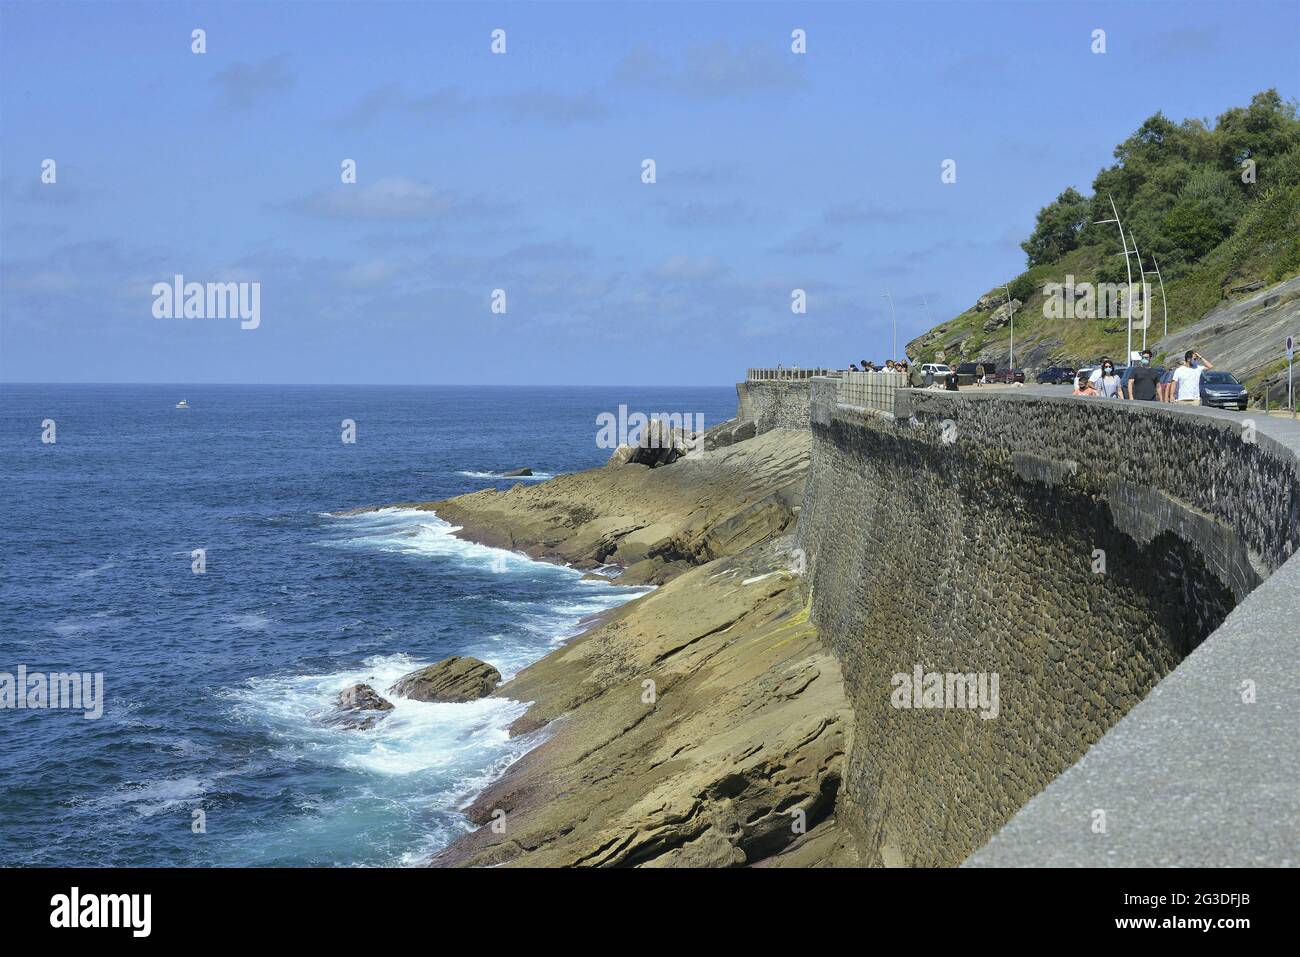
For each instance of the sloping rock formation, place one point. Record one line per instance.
(654, 522)
(701, 725)
(452, 679)
(1246, 336)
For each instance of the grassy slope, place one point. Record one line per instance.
(1265, 246)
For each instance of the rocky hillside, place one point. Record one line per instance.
(1217, 207)
(1246, 336)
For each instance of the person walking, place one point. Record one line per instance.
(1096, 373)
(1165, 386)
(1187, 378)
(1083, 386)
(1144, 380)
(1109, 385)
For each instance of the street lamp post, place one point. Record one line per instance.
(1146, 300)
(929, 322)
(1012, 352)
(1164, 303)
(893, 346)
(1127, 268)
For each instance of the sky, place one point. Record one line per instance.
(522, 172)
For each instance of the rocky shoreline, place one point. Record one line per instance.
(701, 724)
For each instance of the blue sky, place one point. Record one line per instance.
(522, 172)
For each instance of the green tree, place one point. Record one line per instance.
(1058, 227)
(1193, 227)
(1022, 287)
(1267, 128)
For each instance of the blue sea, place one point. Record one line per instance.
(211, 749)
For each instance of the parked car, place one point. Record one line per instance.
(1221, 390)
(1007, 376)
(939, 370)
(1056, 375)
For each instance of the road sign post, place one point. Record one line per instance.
(1290, 378)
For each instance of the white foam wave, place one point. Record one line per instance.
(154, 797)
(80, 625)
(457, 740)
(249, 621)
(423, 759)
(498, 477)
(93, 572)
(421, 532)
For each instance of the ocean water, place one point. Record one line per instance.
(214, 683)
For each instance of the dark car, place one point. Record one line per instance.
(1055, 376)
(1007, 375)
(1221, 390)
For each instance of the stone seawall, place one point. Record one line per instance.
(774, 405)
(1078, 550)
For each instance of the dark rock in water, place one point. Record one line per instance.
(352, 704)
(362, 698)
(452, 679)
(515, 473)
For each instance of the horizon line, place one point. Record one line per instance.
(391, 385)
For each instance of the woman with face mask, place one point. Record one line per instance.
(1108, 386)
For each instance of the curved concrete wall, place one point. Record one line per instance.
(773, 405)
(1077, 550)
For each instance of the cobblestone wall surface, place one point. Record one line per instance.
(1077, 551)
(774, 405)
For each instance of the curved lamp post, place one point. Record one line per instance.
(1164, 303)
(1012, 351)
(1127, 268)
(893, 347)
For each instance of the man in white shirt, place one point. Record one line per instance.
(1187, 378)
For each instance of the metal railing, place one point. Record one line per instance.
(794, 374)
(870, 390)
